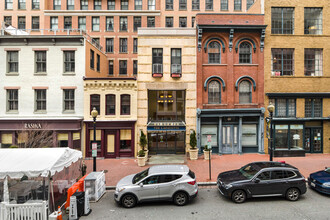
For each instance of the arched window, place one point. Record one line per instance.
(245, 53)
(245, 92)
(214, 52)
(95, 102)
(214, 92)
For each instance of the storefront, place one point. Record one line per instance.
(28, 133)
(166, 122)
(114, 139)
(232, 131)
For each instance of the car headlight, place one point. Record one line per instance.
(228, 186)
(120, 189)
(327, 184)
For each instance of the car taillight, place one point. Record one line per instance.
(192, 182)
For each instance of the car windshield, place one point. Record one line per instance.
(327, 170)
(140, 176)
(249, 170)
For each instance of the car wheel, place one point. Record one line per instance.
(238, 196)
(293, 194)
(180, 198)
(128, 201)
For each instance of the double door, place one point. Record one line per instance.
(230, 139)
(313, 140)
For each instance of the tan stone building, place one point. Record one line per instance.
(297, 75)
(166, 103)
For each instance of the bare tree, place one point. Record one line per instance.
(34, 137)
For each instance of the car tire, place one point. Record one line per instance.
(292, 194)
(128, 201)
(180, 198)
(238, 196)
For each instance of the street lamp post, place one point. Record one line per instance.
(94, 114)
(269, 119)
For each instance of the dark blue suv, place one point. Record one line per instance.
(261, 179)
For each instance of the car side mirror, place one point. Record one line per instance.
(257, 180)
(141, 184)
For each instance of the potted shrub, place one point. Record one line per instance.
(141, 158)
(143, 144)
(207, 153)
(193, 151)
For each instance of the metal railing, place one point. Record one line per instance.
(157, 68)
(176, 68)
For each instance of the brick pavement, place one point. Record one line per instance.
(118, 168)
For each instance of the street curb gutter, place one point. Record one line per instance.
(199, 184)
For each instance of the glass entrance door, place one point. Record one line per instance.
(169, 142)
(230, 139)
(313, 140)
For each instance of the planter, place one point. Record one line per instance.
(146, 154)
(141, 161)
(207, 154)
(193, 153)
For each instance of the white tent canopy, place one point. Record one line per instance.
(34, 162)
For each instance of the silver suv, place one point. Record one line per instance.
(164, 182)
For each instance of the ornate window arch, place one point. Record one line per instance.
(245, 92)
(214, 52)
(214, 92)
(245, 52)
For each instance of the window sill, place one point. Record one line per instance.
(110, 116)
(123, 52)
(12, 112)
(223, 105)
(214, 64)
(40, 74)
(68, 112)
(246, 104)
(195, 9)
(182, 9)
(69, 74)
(12, 74)
(125, 116)
(109, 52)
(40, 112)
(300, 77)
(246, 64)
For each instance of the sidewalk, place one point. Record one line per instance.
(118, 168)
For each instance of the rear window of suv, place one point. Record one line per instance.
(191, 174)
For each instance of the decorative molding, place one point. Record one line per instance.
(246, 39)
(12, 87)
(246, 77)
(262, 39)
(200, 34)
(12, 49)
(40, 49)
(68, 49)
(231, 37)
(215, 38)
(68, 87)
(215, 77)
(40, 87)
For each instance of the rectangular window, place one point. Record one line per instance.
(282, 20)
(157, 60)
(182, 4)
(150, 21)
(70, 4)
(21, 4)
(21, 23)
(209, 5)
(111, 5)
(82, 23)
(110, 67)
(123, 67)
(313, 108)
(83, 4)
(224, 5)
(68, 23)
(98, 62)
(125, 102)
(7, 20)
(175, 60)
(195, 4)
(169, 5)
(192, 21)
(313, 62)
(40, 97)
(137, 23)
(123, 23)
(68, 99)
(151, 4)
(183, 22)
(91, 59)
(284, 107)
(249, 3)
(313, 21)
(138, 5)
(12, 100)
(40, 59)
(135, 67)
(125, 139)
(95, 23)
(123, 45)
(97, 4)
(95, 102)
(57, 4)
(249, 134)
(109, 23)
(35, 4)
(109, 45)
(110, 104)
(169, 22)
(69, 61)
(124, 5)
(54, 23)
(12, 59)
(282, 62)
(35, 23)
(9, 4)
(237, 5)
(135, 45)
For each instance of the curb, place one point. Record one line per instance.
(199, 184)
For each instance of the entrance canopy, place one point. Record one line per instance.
(35, 162)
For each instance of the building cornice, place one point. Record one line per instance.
(300, 95)
(167, 32)
(102, 12)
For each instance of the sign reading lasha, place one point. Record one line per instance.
(32, 126)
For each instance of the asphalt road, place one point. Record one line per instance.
(209, 204)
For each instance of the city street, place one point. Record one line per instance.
(209, 204)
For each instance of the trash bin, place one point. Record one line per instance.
(80, 198)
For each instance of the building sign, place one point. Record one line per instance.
(32, 126)
(166, 126)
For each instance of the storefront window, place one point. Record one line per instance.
(281, 136)
(6, 140)
(125, 139)
(210, 130)
(296, 136)
(62, 140)
(249, 134)
(98, 138)
(76, 141)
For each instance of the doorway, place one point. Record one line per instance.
(230, 139)
(313, 140)
(169, 142)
